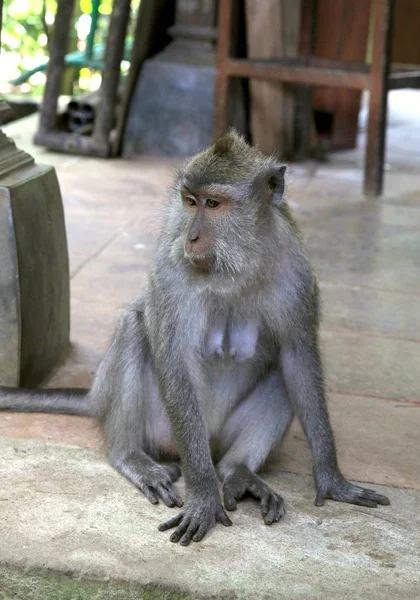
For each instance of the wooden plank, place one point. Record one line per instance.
(308, 75)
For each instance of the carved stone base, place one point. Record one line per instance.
(171, 113)
(34, 272)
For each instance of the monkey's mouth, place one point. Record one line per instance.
(199, 261)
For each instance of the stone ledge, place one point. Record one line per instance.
(64, 509)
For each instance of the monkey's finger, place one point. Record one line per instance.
(169, 495)
(200, 533)
(265, 504)
(275, 510)
(373, 496)
(171, 523)
(165, 496)
(150, 494)
(320, 499)
(229, 501)
(360, 501)
(222, 517)
(188, 536)
(173, 470)
(180, 530)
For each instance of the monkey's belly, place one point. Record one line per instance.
(228, 383)
(237, 341)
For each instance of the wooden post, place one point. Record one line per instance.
(56, 64)
(222, 78)
(378, 92)
(114, 52)
(272, 32)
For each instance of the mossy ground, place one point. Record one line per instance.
(23, 584)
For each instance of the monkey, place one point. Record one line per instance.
(209, 365)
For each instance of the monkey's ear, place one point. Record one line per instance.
(270, 184)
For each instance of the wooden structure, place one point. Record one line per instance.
(309, 71)
(48, 134)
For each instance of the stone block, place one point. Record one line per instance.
(171, 113)
(34, 269)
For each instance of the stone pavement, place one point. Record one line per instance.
(65, 510)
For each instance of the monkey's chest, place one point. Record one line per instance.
(231, 339)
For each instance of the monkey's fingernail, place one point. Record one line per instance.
(232, 352)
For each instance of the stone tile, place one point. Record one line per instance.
(86, 238)
(376, 213)
(378, 441)
(370, 366)
(59, 429)
(362, 252)
(92, 324)
(350, 234)
(78, 368)
(403, 188)
(120, 272)
(371, 311)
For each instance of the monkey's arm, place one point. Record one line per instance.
(203, 507)
(302, 369)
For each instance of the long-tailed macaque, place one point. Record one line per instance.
(212, 361)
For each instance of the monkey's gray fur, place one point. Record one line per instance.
(210, 364)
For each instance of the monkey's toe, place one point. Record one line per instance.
(272, 508)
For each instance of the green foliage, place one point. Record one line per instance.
(26, 35)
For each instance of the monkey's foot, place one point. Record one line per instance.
(241, 481)
(199, 515)
(153, 479)
(335, 487)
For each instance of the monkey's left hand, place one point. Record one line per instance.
(201, 512)
(334, 486)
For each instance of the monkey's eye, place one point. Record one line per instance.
(212, 203)
(191, 201)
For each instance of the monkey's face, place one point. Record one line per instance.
(223, 209)
(203, 213)
(217, 229)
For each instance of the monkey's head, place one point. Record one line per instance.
(224, 207)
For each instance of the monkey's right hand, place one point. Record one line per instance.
(201, 512)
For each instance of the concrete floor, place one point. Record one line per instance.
(64, 508)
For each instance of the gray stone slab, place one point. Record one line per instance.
(34, 279)
(9, 297)
(65, 509)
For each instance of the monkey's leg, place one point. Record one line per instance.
(248, 436)
(134, 422)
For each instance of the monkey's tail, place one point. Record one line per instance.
(71, 401)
